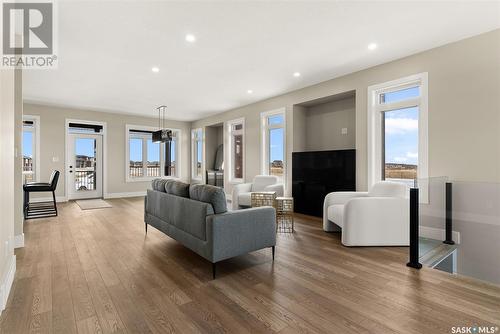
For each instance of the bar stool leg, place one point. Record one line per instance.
(54, 199)
(25, 204)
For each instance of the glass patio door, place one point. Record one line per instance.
(84, 170)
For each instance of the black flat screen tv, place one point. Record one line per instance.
(315, 174)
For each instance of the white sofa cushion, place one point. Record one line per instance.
(245, 199)
(260, 182)
(388, 189)
(336, 214)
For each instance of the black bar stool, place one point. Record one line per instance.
(41, 209)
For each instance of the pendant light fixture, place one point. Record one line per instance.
(163, 135)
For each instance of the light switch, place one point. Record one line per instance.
(55, 159)
(344, 131)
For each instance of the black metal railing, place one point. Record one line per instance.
(85, 179)
(415, 223)
(414, 239)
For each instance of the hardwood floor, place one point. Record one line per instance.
(95, 271)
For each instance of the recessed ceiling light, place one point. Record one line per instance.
(372, 46)
(190, 38)
(155, 69)
(296, 74)
(249, 91)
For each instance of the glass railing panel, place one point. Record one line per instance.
(474, 214)
(476, 226)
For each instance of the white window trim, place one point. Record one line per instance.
(264, 140)
(375, 126)
(194, 177)
(230, 155)
(36, 120)
(128, 179)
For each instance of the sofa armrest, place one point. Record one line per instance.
(374, 221)
(238, 232)
(338, 197)
(278, 188)
(239, 189)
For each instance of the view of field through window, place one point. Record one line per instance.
(400, 156)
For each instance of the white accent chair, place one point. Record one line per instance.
(241, 196)
(379, 217)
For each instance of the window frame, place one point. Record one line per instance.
(375, 126)
(197, 135)
(231, 133)
(36, 145)
(144, 138)
(264, 137)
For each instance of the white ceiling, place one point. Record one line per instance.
(107, 49)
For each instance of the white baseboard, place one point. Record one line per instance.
(6, 282)
(19, 241)
(124, 195)
(437, 233)
(59, 199)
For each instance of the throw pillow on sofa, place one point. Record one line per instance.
(158, 185)
(177, 188)
(209, 194)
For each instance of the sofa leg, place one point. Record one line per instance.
(214, 268)
(146, 226)
(273, 248)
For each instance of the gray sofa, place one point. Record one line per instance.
(197, 217)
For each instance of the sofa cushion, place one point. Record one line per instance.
(209, 194)
(158, 185)
(260, 182)
(245, 199)
(336, 214)
(177, 188)
(183, 213)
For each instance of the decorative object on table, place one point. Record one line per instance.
(284, 214)
(215, 176)
(241, 196)
(96, 203)
(41, 209)
(378, 217)
(263, 198)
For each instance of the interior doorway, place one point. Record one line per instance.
(214, 154)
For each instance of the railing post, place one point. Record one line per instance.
(449, 215)
(414, 257)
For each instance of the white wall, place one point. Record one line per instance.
(324, 123)
(52, 144)
(464, 104)
(18, 166)
(7, 199)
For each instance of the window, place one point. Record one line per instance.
(146, 159)
(197, 157)
(273, 140)
(236, 130)
(397, 126)
(31, 148)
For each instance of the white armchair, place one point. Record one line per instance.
(379, 217)
(241, 196)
